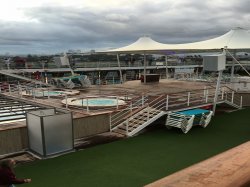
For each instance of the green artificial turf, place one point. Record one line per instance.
(142, 159)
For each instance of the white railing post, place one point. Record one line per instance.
(206, 96)
(20, 91)
(0, 90)
(110, 123)
(117, 106)
(48, 93)
(127, 127)
(205, 89)
(240, 101)
(232, 101)
(222, 94)
(167, 102)
(188, 99)
(148, 113)
(33, 93)
(142, 100)
(9, 89)
(131, 106)
(87, 104)
(82, 104)
(66, 100)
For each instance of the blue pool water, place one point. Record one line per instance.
(50, 93)
(98, 102)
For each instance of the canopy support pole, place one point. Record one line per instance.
(166, 63)
(144, 80)
(119, 65)
(238, 62)
(217, 90)
(232, 69)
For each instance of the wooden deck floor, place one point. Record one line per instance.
(228, 169)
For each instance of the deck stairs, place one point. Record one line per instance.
(139, 117)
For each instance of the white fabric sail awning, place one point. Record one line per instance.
(143, 44)
(237, 38)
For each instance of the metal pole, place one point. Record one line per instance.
(144, 80)
(166, 63)
(206, 96)
(117, 102)
(188, 99)
(66, 101)
(232, 99)
(9, 89)
(127, 127)
(167, 102)
(87, 104)
(119, 65)
(233, 64)
(110, 123)
(222, 94)
(240, 101)
(142, 100)
(216, 91)
(48, 94)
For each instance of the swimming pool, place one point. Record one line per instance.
(52, 93)
(96, 102)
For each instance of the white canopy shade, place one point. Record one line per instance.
(237, 38)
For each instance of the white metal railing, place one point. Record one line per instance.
(115, 119)
(173, 102)
(151, 110)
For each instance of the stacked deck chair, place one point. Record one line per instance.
(184, 122)
(188, 118)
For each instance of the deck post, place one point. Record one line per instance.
(240, 101)
(206, 98)
(87, 104)
(205, 89)
(144, 68)
(120, 71)
(117, 102)
(9, 89)
(33, 93)
(166, 64)
(142, 100)
(66, 100)
(20, 91)
(222, 94)
(48, 94)
(217, 90)
(167, 102)
(82, 103)
(148, 113)
(110, 123)
(232, 99)
(127, 127)
(188, 101)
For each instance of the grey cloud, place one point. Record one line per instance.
(63, 28)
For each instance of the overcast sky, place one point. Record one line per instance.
(50, 26)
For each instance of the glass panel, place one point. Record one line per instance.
(58, 133)
(34, 133)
